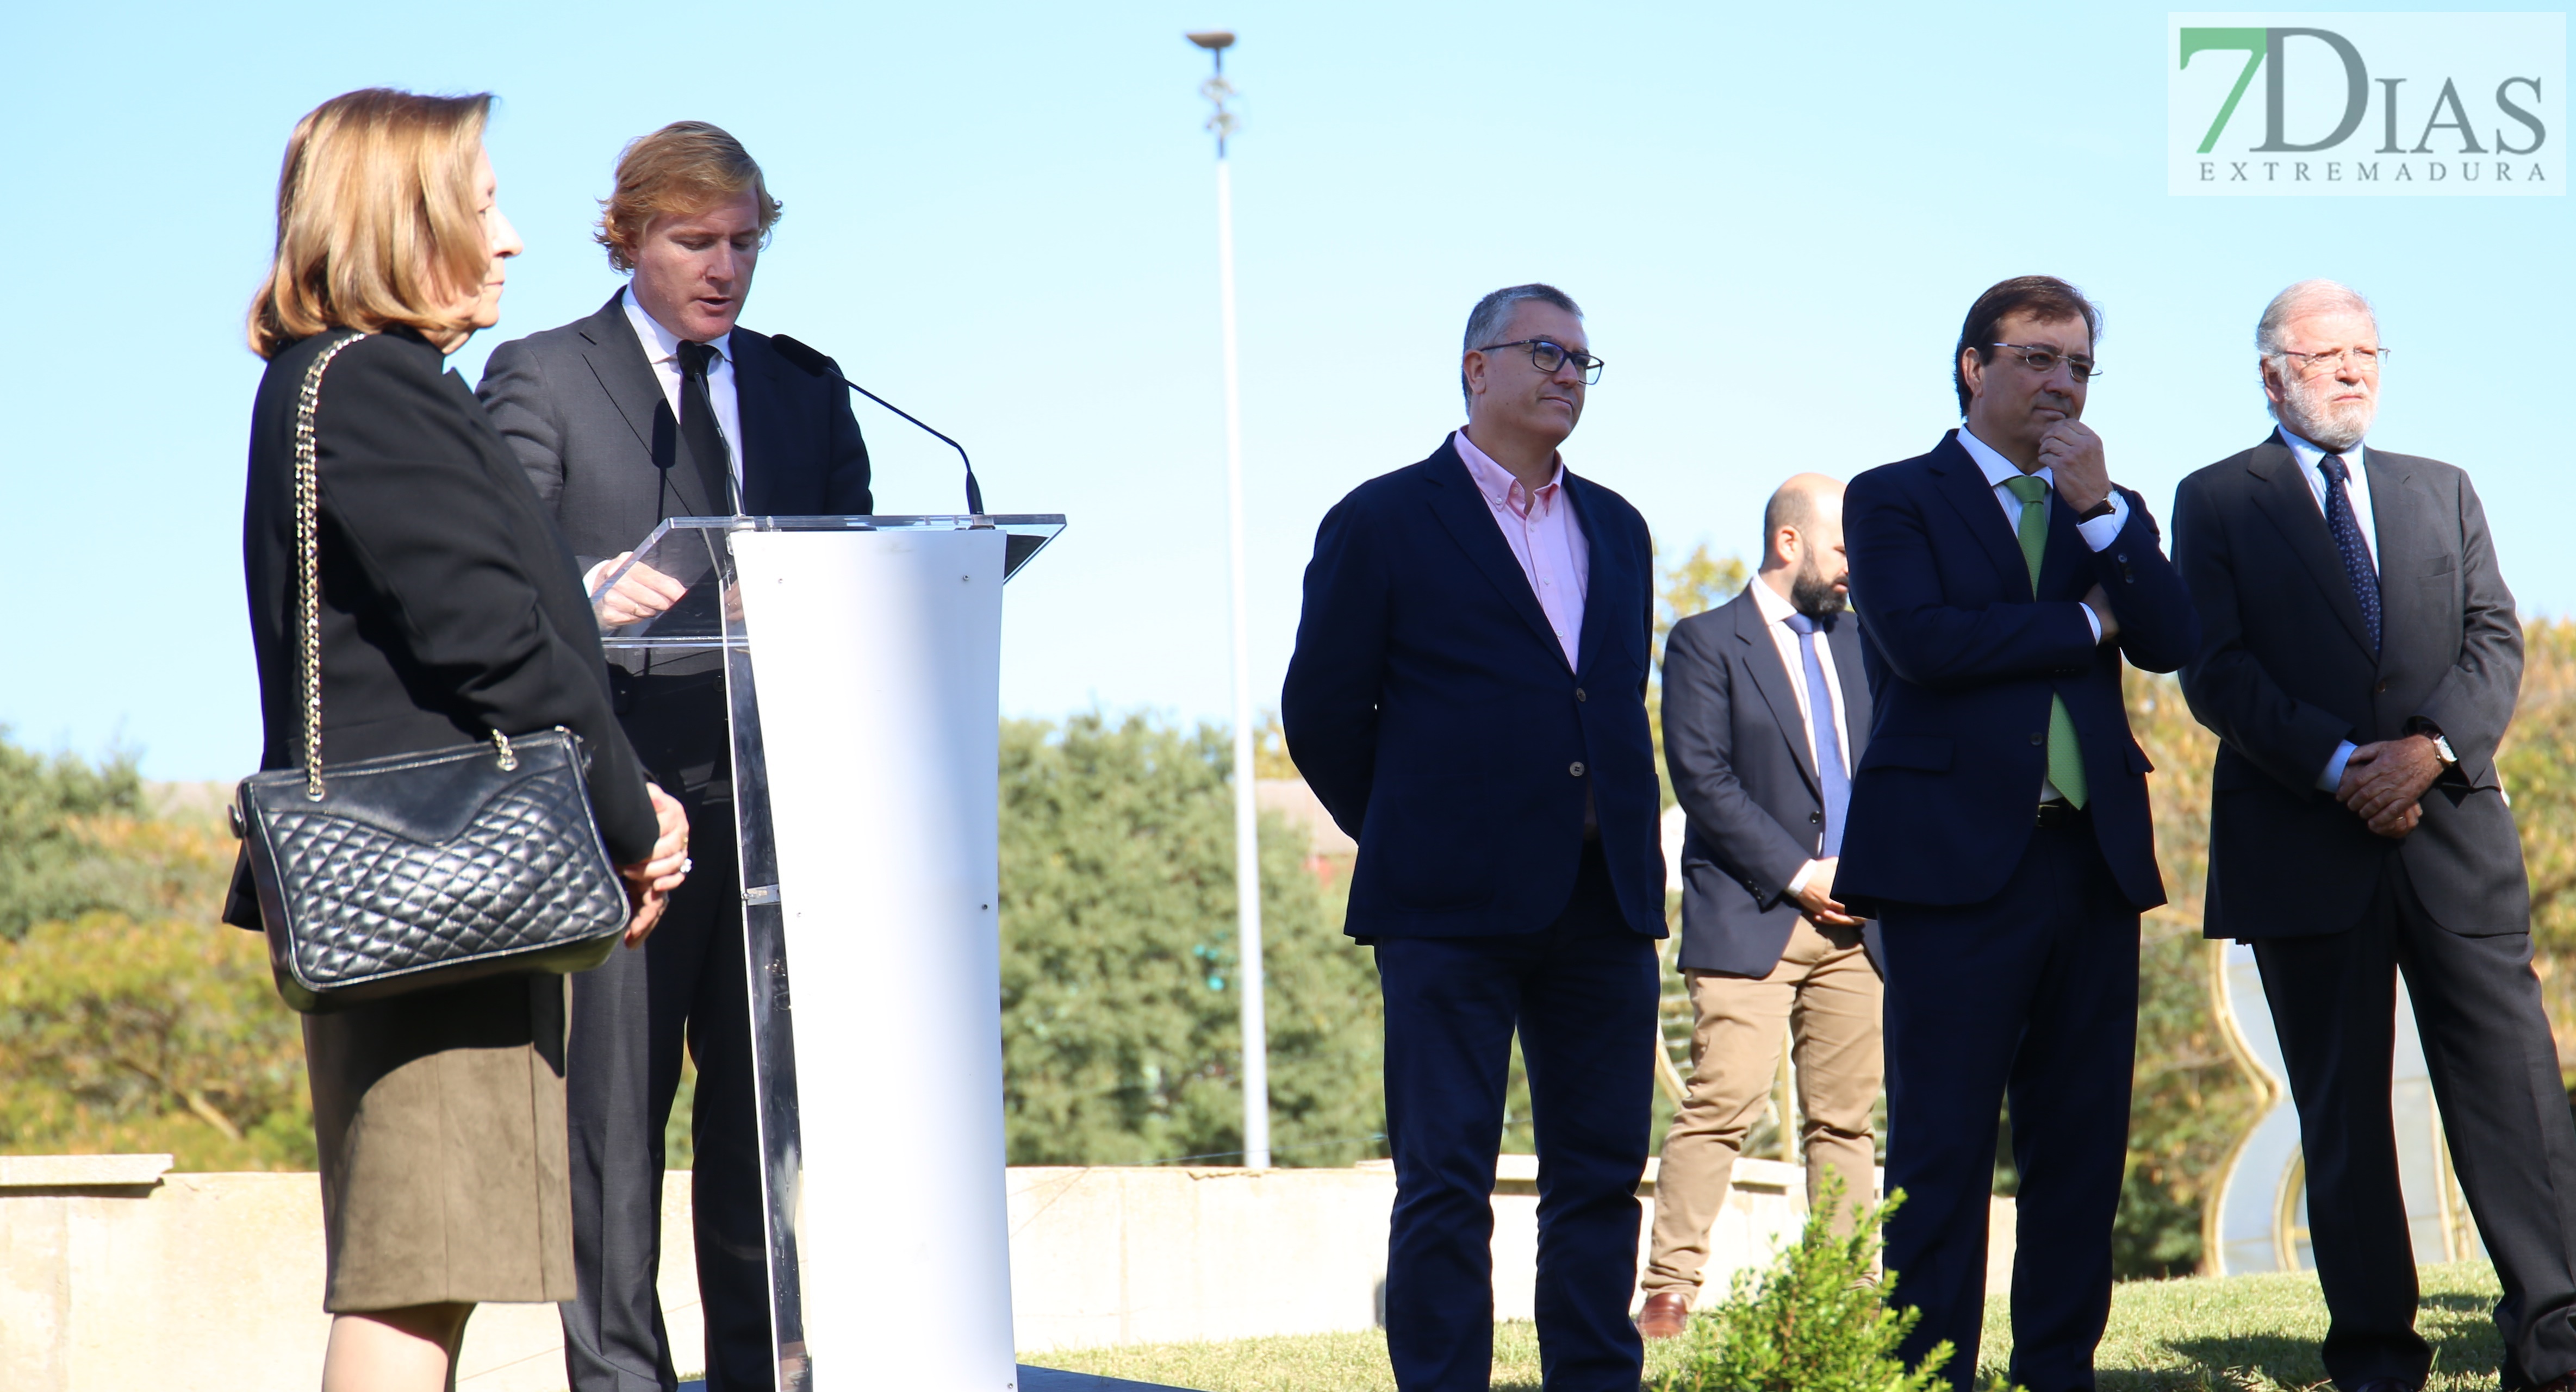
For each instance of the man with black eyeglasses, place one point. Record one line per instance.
(1468, 699)
(1999, 829)
(2361, 663)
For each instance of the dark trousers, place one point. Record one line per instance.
(1582, 993)
(2495, 1077)
(2032, 996)
(630, 1019)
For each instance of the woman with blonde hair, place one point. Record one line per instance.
(448, 609)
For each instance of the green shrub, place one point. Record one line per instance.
(1814, 1322)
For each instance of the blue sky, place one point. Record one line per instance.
(1002, 219)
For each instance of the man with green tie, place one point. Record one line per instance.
(1999, 829)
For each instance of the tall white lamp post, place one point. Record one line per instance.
(1247, 843)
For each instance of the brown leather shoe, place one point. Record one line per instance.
(1666, 1315)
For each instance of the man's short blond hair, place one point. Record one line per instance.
(376, 219)
(685, 167)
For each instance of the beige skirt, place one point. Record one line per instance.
(440, 1119)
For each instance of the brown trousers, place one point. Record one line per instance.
(1826, 993)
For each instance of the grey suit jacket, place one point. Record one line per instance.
(1744, 777)
(581, 409)
(2285, 670)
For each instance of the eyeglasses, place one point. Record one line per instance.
(2045, 360)
(1547, 356)
(2315, 364)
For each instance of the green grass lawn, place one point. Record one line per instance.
(2242, 1334)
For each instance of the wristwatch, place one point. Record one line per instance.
(2100, 509)
(2441, 746)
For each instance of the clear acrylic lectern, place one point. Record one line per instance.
(862, 669)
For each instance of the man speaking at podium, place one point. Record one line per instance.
(658, 406)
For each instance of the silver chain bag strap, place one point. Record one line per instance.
(382, 877)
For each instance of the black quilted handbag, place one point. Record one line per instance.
(415, 871)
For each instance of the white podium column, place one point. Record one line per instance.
(878, 656)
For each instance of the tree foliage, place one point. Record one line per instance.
(48, 869)
(147, 1027)
(1120, 989)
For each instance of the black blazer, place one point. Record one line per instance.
(581, 408)
(450, 607)
(1744, 777)
(2285, 671)
(1964, 657)
(1431, 709)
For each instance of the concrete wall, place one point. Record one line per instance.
(1164, 1255)
(116, 1274)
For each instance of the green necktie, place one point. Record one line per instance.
(2065, 757)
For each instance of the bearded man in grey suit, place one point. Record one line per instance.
(660, 406)
(2359, 663)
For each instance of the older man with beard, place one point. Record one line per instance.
(1766, 706)
(2359, 662)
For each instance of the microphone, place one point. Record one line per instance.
(815, 364)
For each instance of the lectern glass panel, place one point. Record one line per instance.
(690, 552)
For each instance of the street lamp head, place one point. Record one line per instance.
(1212, 39)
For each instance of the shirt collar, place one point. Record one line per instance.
(1498, 485)
(1997, 468)
(660, 344)
(2308, 452)
(1772, 607)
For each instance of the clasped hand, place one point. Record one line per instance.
(2384, 783)
(1816, 897)
(649, 882)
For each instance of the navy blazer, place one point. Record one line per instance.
(1964, 657)
(1430, 707)
(1742, 771)
(2286, 671)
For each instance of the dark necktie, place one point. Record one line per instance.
(698, 428)
(2347, 539)
(1831, 780)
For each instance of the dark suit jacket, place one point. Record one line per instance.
(2285, 671)
(1965, 657)
(1431, 709)
(450, 607)
(1744, 777)
(582, 409)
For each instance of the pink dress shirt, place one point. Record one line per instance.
(1544, 537)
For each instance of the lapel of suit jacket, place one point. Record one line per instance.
(1852, 674)
(756, 415)
(1606, 578)
(616, 358)
(1771, 679)
(1964, 485)
(2401, 514)
(1462, 510)
(2064, 549)
(2281, 491)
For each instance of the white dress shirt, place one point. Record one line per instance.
(2356, 487)
(662, 350)
(2097, 533)
(1784, 639)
